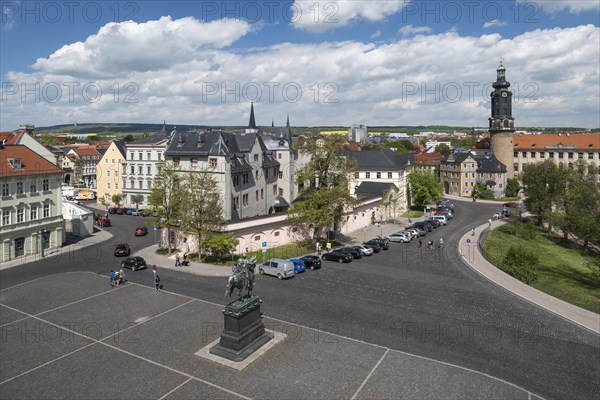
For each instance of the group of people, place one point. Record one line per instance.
(116, 278)
(320, 248)
(430, 244)
(179, 263)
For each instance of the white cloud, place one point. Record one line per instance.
(148, 46)
(376, 34)
(552, 6)
(494, 22)
(415, 80)
(321, 16)
(8, 15)
(410, 30)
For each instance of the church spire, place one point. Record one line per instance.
(252, 122)
(164, 131)
(272, 123)
(287, 124)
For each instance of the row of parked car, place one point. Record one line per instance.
(127, 211)
(443, 214)
(284, 269)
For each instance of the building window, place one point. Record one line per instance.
(193, 163)
(281, 191)
(257, 238)
(356, 175)
(116, 186)
(33, 213)
(45, 185)
(245, 199)
(257, 195)
(279, 156)
(213, 163)
(20, 214)
(236, 203)
(276, 234)
(280, 175)
(5, 190)
(580, 155)
(560, 154)
(116, 173)
(106, 161)
(108, 186)
(389, 175)
(257, 174)
(378, 175)
(570, 155)
(176, 160)
(46, 210)
(516, 167)
(141, 184)
(532, 154)
(524, 154)
(256, 157)
(542, 155)
(19, 187)
(262, 193)
(19, 246)
(148, 156)
(132, 170)
(551, 154)
(516, 154)
(590, 156)
(140, 169)
(148, 169)
(140, 156)
(5, 218)
(108, 174)
(367, 175)
(274, 189)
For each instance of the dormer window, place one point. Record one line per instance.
(15, 163)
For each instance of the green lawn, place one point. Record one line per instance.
(562, 270)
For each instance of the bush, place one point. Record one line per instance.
(594, 266)
(527, 230)
(520, 262)
(193, 256)
(162, 252)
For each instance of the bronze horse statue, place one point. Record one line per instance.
(242, 277)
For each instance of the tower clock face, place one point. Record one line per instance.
(504, 94)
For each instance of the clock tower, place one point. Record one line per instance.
(502, 124)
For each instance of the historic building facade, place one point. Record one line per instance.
(109, 172)
(461, 171)
(502, 123)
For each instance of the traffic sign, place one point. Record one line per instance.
(155, 227)
(264, 245)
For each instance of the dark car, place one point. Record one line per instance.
(311, 262)
(338, 256)
(122, 250)
(354, 252)
(434, 222)
(383, 243)
(141, 231)
(426, 226)
(510, 204)
(121, 211)
(134, 263)
(113, 210)
(376, 248)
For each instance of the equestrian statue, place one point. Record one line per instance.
(242, 277)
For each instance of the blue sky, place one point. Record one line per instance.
(321, 62)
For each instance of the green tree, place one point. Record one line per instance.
(324, 185)
(465, 143)
(481, 191)
(443, 149)
(206, 214)
(117, 199)
(521, 262)
(128, 138)
(220, 245)
(47, 139)
(137, 199)
(167, 199)
(543, 185)
(582, 207)
(512, 187)
(425, 188)
(78, 165)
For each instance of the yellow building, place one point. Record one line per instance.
(109, 172)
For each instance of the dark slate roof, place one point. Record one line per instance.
(121, 146)
(374, 188)
(154, 139)
(383, 160)
(485, 162)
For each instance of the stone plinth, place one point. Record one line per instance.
(244, 331)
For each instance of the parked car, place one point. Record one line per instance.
(141, 231)
(129, 211)
(134, 263)
(366, 251)
(510, 204)
(425, 226)
(355, 253)
(398, 237)
(338, 256)
(383, 243)
(135, 212)
(434, 222)
(277, 267)
(445, 213)
(311, 262)
(375, 247)
(408, 234)
(121, 211)
(298, 265)
(417, 232)
(142, 213)
(113, 210)
(122, 250)
(443, 220)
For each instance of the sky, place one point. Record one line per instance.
(323, 63)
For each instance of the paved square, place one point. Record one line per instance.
(73, 336)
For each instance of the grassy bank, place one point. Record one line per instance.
(563, 271)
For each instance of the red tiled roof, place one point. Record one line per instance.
(582, 141)
(11, 137)
(31, 162)
(428, 158)
(86, 151)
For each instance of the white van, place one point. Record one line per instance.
(277, 267)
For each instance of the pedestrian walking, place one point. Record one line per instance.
(328, 247)
(489, 223)
(319, 249)
(473, 232)
(473, 199)
(157, 282)
(441, 245)
(177, 260)
(154, 268)
(111, 276)
(430, 244)
(420, 243)
(121, 276)
(117, 279)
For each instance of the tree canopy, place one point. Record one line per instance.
(425, 188)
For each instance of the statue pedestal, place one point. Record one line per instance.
(244, 331)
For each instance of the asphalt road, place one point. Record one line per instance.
(427, 303)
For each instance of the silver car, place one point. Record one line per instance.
(398, 237)
(366, 251)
